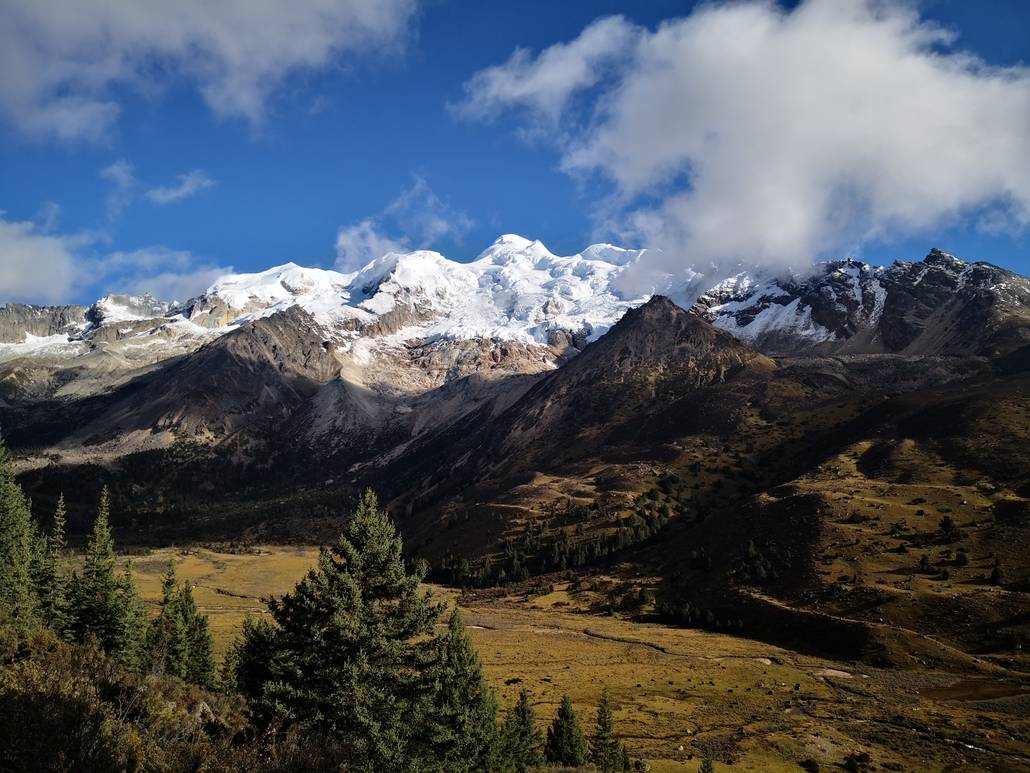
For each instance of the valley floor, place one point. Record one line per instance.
(679, 692)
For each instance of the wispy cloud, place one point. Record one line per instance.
(61, 63)
(126, 187)
(189, 184)
(122, 177)
(42, 267)
(749, 132)
(418, 218)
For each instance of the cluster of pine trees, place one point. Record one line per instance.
(352, 656)
(542, 549)
(350, 662)
(38, 589)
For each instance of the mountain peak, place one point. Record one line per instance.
(938, 257)
(509, 247)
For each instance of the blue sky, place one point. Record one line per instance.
(384, 133)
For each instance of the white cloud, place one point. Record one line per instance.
(361, 242)
(125, 187)
(416, 219)
(189, 184)
(40, 267)
(545, 83)
(61, 63)
(36, 267)
(122, 177)
(162, 272)
(746, 132)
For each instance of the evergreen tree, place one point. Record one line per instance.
(200, 661)
(707, 766)
(565, 745)
(52, 577)
(605, 749)
(17, 597)
(463, 722)
(97, 600)
(167, 645)
(132, 645)
(520, 737)
(354, 646)
(228, 681)
(246, 665)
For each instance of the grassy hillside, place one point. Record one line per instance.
(678, 692)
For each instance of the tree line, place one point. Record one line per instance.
(98, 603)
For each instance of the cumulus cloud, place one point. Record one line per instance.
(62, 64)
(416, 219)
(36, 266)
(748, 132)
(189, 184)
(545, 83)
(41, 267)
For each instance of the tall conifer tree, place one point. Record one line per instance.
(463, 721)
(17, 596)
(98, 610)
(167, 646)
(52, 583)
(605, 749)
(132, 646)
(565, 745)
(354, 646)
(200, 662)
(246, 665)
(521, 738)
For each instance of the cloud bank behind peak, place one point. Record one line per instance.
(745, 132)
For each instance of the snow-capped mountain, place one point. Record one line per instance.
(516, 290)
(941, 305)
(371, 367)
(409, 322)
(404, 322)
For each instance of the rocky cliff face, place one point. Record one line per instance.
(19, 321)
(941, 305)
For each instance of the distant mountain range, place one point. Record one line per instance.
(358, 370)
(767, 450)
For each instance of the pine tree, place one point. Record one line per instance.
(228, 672)
(605, 749)
(200, 661)
(521, 739)
(167, 646)
(132, 642)
(17, 597)
(707, 766)
(246, 665)
(354, 646)
(565, 745)
(463, 721)
(52, 580)
(97, 604)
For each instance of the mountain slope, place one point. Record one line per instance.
(941, 305)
